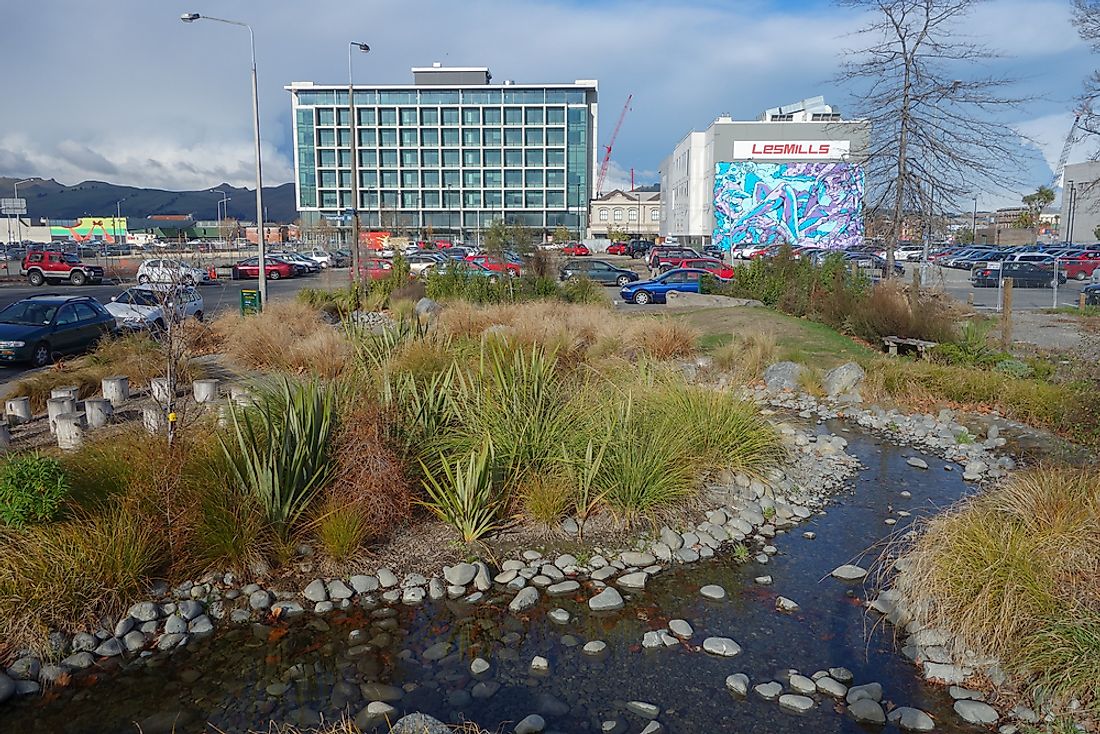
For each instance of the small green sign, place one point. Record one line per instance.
(250, 302)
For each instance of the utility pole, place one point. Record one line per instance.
(974, 223)
(355, 257)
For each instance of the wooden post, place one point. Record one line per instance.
(1006, 315)
(56, 407)
(116, 389)
(152, 416)
(970, 298)
(70, 431)
(205, 391)
(98, 412)
(5, 438)
(18, 411)
(70, 391)
(1080, 301)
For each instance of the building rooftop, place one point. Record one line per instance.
(449, 76)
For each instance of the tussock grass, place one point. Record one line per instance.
(747, 355)
(545, 497)
(288, 336)
(1015, 572)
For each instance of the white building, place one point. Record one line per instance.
(805, 132)
(638, 213)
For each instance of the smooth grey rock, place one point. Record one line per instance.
(603, 574)
(713, 592)
(524, 600)
(426, 309)
(79, 661)
(643, 709)
(637, 559)
(831, 687)
(672, 539)
(84, 642)
(460, 574)
(175, 625)
(976, 712)
(763, 580)
(259, 599)
(653, 727)
(958, 692)
(798, 704)
(478, 666)
(633, 580)
(381, 692)
(595, 647)
(200, 625)
(802, 684)
(315, 591)
(783, 376)
(768, 691)
(559, 616)
(738, 683)
(784, 604)
(133, 641)
(539, 664)
(563, 588)
(849, 572)
(413, 595)
(867, 711)
(338, 590)
(608, 600)
(323, 607)
(681, 628)
(386, 578)
(872, 691)
(25, 668)
(189, 609)
(436, 590)
(364, 584)
(484, 689)
(438, 651)
(842, 675)
(531, 724)
(916, 462)
(145, 611)
(911, 719)
(419, 724)
(947, 674)
(842, 379)
(109, 648)
(288, 609)
(722, 646)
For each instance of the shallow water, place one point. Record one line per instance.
(223, 680)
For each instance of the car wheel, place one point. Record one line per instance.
(36, 278)
(1080, 275)
(77, 277)
(143, 279)
(622, 281)
(642, 298)
(274, 275)
(40, 357)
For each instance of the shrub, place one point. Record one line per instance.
(342, 528)
(279, 449)
(32, 488)
(582, 290)
(287, 336)
(890, 310)
(664, 338)
(545, 497)
(748, 355)
(230, 531)
(465, 495)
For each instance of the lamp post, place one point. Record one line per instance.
(18, 221)
(118, 216)
(352, 46)
(974, 223)
(191, 18)
(223, 212)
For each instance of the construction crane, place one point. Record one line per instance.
(1070, 140)
(607, 155)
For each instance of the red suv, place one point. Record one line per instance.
(494, 263)
(662, 254)
(274, 269)
(49, 265)
(1081, 265)
(711, 265)
(375, 268)
(619, 248)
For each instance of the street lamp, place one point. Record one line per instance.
(364, 48)
(118, 216)
(191, 18)
(18, 221)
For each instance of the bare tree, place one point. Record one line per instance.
(1086, 17)
(935, 133)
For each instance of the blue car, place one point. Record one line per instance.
(683, 280)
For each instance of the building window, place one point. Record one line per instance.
(387, 137)
(632, 215)
(491, 116)
(513, 136)
(513, 199)
(450, 158)
(450, 115)
(618, 215)
(603, 214)
(533, 199)
(367, 117)
(534, 178)
(471, 158)
(451, 178)
(555, 199)
(408, 137)
(409, 179)
(655, 215)
(409, 199)
(471, 179)
(491, 136)
(513, 116)
(388, 115)
(326, 157)
(471, 199)
(555, 136)
(555, 178)
(328, 178)
(471, 116)
(408, 158)
(429, 138)
(533, 136)
(429, 116)
(513, 179)
(494, 199)
(408, 116)
(429, 158)
(493, 158)
(534, 157)
(431, 199)
(430, 179)
(471, 137)
(368, 138)
(534, 115)
(555, 115)
(368, 158)
(513, 157)
(492, 179)
(555, 157)
(389, 179)
(389, 158)
(326, 138)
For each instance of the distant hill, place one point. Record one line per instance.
(50, 199)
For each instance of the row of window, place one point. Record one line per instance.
(470, 179)
(511, 158)
(390, 137)
(508, 199)
(442, 96)
(631, 215)
(435, 116)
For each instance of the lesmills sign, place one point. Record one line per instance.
(747, 150)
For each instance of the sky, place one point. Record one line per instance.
(122, 91)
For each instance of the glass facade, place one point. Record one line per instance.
(447, 158)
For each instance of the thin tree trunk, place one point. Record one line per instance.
(899, 193)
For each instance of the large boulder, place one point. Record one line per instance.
(843, 379)
(783, 375)
(709, 300)
(419, 724)
(426, 308)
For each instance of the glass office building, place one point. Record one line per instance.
(447, 155)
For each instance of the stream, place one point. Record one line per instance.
(245, 676)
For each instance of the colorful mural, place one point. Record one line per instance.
(799, 203)
(91, 228)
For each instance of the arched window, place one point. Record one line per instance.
(603, 214)
(654, 215)
(618, 215)
(632, 215)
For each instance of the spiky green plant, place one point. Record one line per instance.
(279, 448)
(465, 495)
(583, 473)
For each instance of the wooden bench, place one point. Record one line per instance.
(895, 345)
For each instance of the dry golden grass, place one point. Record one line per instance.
(287, 336)
(347, 726)
(747, 355)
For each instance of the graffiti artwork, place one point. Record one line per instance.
(818, 204)
(91, 228)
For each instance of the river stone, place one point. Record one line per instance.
(976, 712)
(802, 684)
(763, 580)
(375, 713)
(26, 688)
(315, 591)
(643, 709)
(958, 693)
(174, 625)
(7, 688)
(738, 683)
(25, 668)
(595, 647)
(798, 704)
(133, 641)
(947, 674)
(338, 590)
(323, 607)
(653, 727)
(637, 559)
(438, 651)
(841, 674)
(917, 463)
(145, 611)
(713, 592)
(867, 711)
(681, 628)
(911, 719)
(872, 691)
(722, 646)
(436, 589)
(608, 600)
(189, 609)
(386, 578)
(672, 539)
(364, 584)
(524, 600)
(783, 375)
(83, 642)
(531, 724)
(831, 687)
(258, 599)
(784, 604)
(687, 555)
(539, 664)
(651, 640)
(849, 572)
(200, 625)
(768, 691)
(413, 595)
(633, 580)
(286, 609)
(559, 616)
(561, 589)
(479, 666)
(484, 689)
(419, 724)
(109, 648)
(603, 574)
(381, 692)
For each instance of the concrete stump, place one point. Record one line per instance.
(56, 407)
(161, 389)
(70, 431)
(154, 419)
(240, 395)
(5, 437)
(98, 412)
(116, 389)
(69, 391)
(205, 391)
(18, 411)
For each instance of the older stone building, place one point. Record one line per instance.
(638, 213)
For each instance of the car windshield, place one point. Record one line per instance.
(70, 258)
(28, 313)
(139, 297)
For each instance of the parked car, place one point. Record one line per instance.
(274, 269)
(907, 251)
(149, 307)
(655, 291)
(1023, 274)
(36, 329)
(456, 253)
(1080, 266)
(308, 266)
(41, 266)
(320, 256)
(575, 249)
(749, 250)
(467, 268)
(423, 261)
(599, 271)
(341, 258)
(717, 267)
(638, 248)
(665, 253)
(375, 268)
(618, 248)
(1092, 294)
(496, 264)
(171, 271)
(714, 251)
